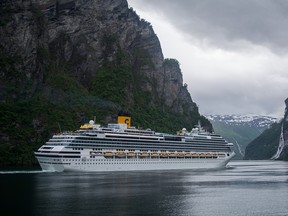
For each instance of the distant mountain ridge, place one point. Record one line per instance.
(250, 119)
(240, 129)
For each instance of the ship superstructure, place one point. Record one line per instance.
(122, 147)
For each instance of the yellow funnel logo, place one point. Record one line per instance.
(124, 120)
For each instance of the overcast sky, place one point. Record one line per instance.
(233, 54)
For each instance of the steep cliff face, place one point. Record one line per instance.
(83, 36)
(282, 151)
(64, 60)
(272, 143)
(285, 133)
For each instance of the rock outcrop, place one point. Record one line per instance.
(62, 60)
(282, 150)
(84, 35)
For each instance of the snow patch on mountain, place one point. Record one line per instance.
(240, 129)
(250, 120)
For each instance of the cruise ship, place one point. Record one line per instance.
(120, 147)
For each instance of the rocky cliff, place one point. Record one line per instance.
(63, 61)
(282, 150)
(272, 143)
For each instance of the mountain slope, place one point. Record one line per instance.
(65, 61)
(272, 143)
(240, 129)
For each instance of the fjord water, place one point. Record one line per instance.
(256, 188)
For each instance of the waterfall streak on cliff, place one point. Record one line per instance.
(239, 148)
(281, 145)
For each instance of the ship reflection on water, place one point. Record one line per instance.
(245, 188)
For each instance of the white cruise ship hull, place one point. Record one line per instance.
(121, 148)
(101, 165)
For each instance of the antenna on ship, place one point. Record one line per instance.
(59, 127)
(199, 124)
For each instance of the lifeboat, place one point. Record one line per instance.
(120, 154)
(131, 154)
(214, 155)
(154, 155)
(172, 155)
(188, 155)
(209, 155)
(195, 155)
(144, 154)
(180, 155)
(108, 154)
(202, 155)
(95, 153)
(163, 155)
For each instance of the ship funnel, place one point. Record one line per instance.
(124, 119)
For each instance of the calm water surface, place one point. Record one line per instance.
(257, 188)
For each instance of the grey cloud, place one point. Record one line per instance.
(251, 79)
(232, 97)
(233, 103)
(225, 23)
